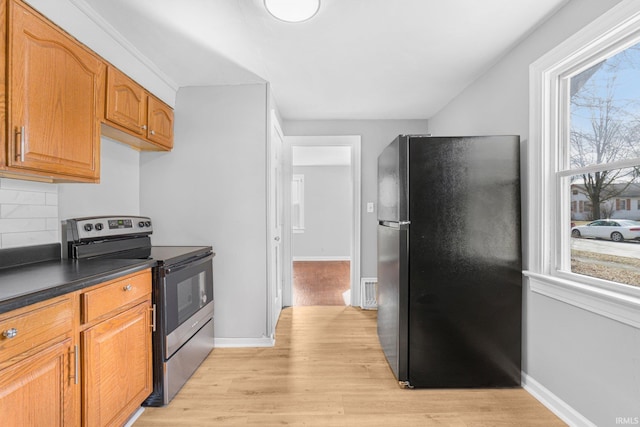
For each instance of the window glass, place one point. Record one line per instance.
(602, 169)
(605, 111)
(297, 203)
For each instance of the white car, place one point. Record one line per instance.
(617, 230)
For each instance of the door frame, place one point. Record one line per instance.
(274, 304)
(352, 141)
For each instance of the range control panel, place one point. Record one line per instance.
(91, 228)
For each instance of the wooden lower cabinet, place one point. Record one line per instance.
(115, 337)
(59, 370)
(39, 365)
(117, 375)
(38, 391)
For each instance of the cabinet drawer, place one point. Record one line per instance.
(23, 330)
(109, 298)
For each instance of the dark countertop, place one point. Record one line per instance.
(27, 284)
(32, 274)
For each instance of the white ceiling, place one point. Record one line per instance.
(356, 59)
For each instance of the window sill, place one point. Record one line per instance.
(624, 308)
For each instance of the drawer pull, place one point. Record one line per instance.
(126, 288)
(10, 333)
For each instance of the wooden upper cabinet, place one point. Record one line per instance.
(134, 116)
(160, 123)
(126, 102)
(55, 97)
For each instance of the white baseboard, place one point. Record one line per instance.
(243, 342)
(134, 417)
(556, 405)
(322, 258)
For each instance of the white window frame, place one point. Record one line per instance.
(299, 180)
(548, 204)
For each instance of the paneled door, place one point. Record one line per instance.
(275, 224)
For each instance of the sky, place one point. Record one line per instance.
(623, 70)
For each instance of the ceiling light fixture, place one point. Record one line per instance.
(292, 10)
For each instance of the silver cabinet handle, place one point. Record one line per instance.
(153, 317)
(75, 364)
(126, 288)
(153, 132)
(143, 127)
(20, 155)
(10, 333)
(277, 238)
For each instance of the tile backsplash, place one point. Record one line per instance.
(28, 213)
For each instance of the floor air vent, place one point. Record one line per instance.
(368, 289)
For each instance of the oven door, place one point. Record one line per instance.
(188, 300)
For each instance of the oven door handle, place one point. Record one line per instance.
(188, 264)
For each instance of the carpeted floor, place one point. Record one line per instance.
(320, 282)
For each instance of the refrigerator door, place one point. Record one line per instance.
(392, 297)
(465, 258)
(392, 182)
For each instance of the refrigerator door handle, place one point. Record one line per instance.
(395, 224)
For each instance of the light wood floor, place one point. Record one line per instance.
(320, 282)
(327, 369)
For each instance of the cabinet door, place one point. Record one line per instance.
(160, 123)
(126, 102)
(116, 367)
(38, 391)
(54, 98)
(3, 85)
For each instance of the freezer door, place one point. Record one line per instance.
(392, 297)
(392, 182)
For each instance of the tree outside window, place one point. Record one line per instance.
(603, 161)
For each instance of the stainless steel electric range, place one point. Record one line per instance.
(182, 292)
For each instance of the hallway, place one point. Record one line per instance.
(320, 282)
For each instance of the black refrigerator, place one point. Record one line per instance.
(449, 260)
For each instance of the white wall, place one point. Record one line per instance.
(28, 213)
(118, 192)
(211, 190)
(585, 360)
(327, 213)
(376, 134)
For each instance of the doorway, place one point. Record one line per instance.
(322, 222)
(321, 282)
